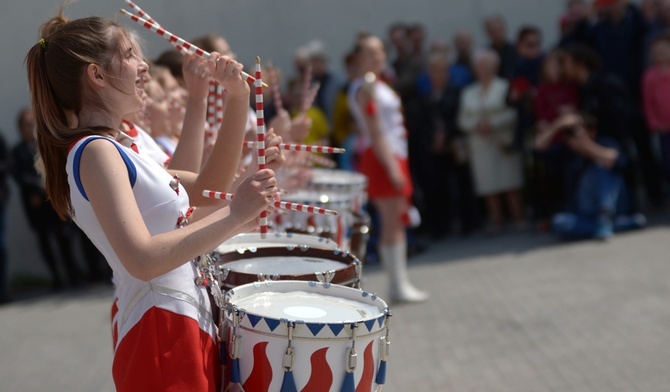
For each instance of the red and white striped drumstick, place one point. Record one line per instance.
(276, 93)
(219, 106)
(284, 205)
(141, 13)
(303, 147)
(260, 136)
(218, 195)
(173, 38)
(211, 105)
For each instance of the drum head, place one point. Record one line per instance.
(252, 241)
(335, 201)
(284, 256)
(307, 303)
(284, 265)
(335, 178)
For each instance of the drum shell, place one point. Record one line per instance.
(329, 181)
(315, 355)
(360, 235)
(337, 228)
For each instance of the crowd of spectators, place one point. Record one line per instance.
(570, 136)
(516, 134)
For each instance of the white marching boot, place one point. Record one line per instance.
(394, 259)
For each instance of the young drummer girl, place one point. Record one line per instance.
(377, 111)
(84, 75)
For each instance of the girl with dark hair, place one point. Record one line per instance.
(84, 76)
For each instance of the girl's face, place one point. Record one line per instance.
(660, 53)
(373, 56)
(174, 93)
(158, 110)
(130, 79)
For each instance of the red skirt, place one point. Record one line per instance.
(379, 184)
(166, 351)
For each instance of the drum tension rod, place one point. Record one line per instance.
(289, 355)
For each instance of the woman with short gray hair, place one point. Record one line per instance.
(489, 123)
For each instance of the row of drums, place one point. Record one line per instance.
(291, 310)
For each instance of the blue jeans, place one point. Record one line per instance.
(599, 206)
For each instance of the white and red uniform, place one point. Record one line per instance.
(144, 142)
(387, 108)
(163, 331)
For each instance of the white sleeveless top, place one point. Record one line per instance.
(161, 208)
(389, 115)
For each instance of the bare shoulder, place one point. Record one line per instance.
(100, 159)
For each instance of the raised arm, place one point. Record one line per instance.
(219, 170)
(189, 151)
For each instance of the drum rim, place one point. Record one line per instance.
(311, 287)
(248, 240)
(350, 273)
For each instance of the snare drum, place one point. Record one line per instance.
(330, 182)
(338, 228)
(305, 336)
(247, 258)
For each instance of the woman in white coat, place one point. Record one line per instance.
(489, 123)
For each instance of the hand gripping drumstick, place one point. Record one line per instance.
(284, 205)
(260, 136)
(176, 40)
(303, 147)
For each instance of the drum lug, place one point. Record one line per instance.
(325, 277)
(358, 267)
(234, 347)
(384, 348)
(352, 360)
(288, 359)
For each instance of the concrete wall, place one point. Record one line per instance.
(272, 29)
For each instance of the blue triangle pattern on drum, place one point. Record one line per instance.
(315, 328)
(370, 324)
(272, 323)
(253, 319)
(336, 328)
(381, 320)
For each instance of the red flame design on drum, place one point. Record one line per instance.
(365, 385)
(321, 378)
(261, 374)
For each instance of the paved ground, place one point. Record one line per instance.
(512, 313)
